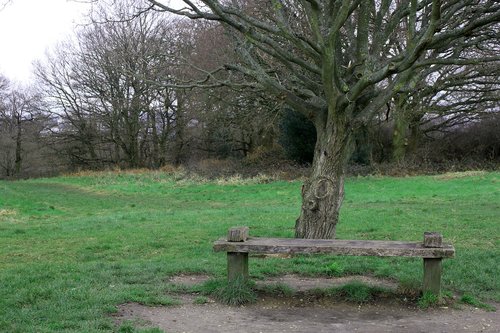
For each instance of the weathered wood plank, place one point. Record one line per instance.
(339, 247)
(432, 275)
(433, 239)
(237, 266)
(238, 234)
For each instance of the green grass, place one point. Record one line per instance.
(237, 292)
(73, 248)
(470, 300)
(355, 292)
(428, 300)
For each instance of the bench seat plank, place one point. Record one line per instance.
(339, 247)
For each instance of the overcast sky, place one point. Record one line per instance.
(29, 27)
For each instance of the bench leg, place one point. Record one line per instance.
(432, 275)
(237, 266)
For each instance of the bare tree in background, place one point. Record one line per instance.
(338, 63)
(452, 92)
(231, 121)
(104, 89)
(22, 122)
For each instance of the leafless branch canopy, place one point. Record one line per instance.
(351, 56)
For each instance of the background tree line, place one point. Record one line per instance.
(137, 88)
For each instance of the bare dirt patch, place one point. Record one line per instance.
(296, 282)
(189, 280)
(302, 284)
(272, 316)
(305, 314)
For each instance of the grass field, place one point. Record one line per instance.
(72, 248)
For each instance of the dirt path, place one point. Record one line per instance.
(274, 314)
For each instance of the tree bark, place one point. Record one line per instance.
(406, 129)
(19, 159)
(323, 192)
(399, 139)
(155, 142)
(180, 123)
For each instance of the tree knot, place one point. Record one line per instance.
(323, 187)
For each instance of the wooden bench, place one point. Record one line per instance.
(238, 245)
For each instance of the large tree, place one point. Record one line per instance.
(338, 62)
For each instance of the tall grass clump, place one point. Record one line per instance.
(237, 292)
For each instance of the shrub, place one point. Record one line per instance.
(298, 137)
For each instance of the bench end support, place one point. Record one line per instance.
(432, 275)
(237, 266)
(237, 263)
(433, 266)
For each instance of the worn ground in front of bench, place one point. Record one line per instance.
(296, 315)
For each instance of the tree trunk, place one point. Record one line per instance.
(414, 133)
(131, 146)
(399, 138)
(363, 152)
(155, 159)
(400, 133)
(406, 133)
(18, 153)
(180, 124)
(323, 192)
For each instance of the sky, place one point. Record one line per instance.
(30, 27)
